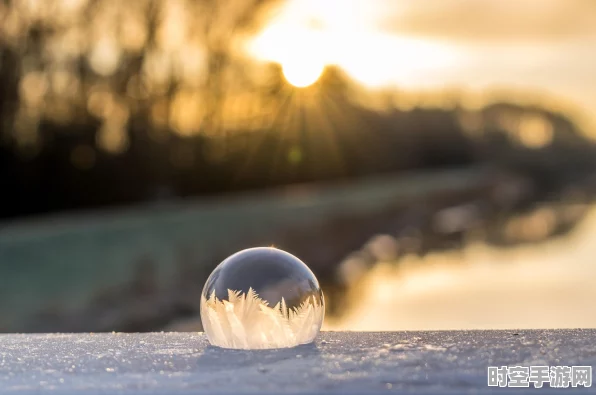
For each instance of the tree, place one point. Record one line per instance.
(223, 22)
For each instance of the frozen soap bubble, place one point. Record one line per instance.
(262, 298)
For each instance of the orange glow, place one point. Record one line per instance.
(301, 52)
(307, 36)
(398, 44)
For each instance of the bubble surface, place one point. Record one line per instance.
(262, 298)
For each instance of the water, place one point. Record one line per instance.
(541, 285)
(67, 272)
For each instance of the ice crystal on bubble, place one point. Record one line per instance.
(262, 298)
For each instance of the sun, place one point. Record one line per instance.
(302, 73)
(308, 35)
(300, 52)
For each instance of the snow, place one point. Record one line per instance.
(440, 362)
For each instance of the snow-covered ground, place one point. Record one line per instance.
(448, 362)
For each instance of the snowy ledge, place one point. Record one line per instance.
(448, 362)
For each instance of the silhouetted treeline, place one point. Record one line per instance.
(94, 115)
(69, 172)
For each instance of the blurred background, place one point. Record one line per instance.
(432, 162)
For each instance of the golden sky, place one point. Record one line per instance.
(496, 21)
(543, 46)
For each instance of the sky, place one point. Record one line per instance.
(543, 47)
(540, 51)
